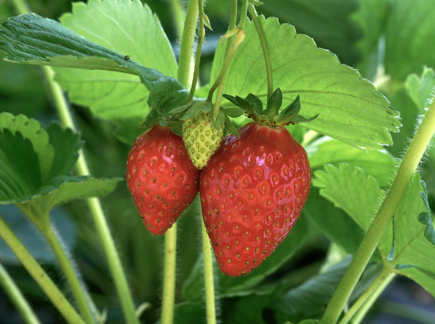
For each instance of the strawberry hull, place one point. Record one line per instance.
(161, 178)
(252, 192)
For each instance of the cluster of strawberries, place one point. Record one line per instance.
(252, 189)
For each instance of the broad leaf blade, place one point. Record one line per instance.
(356, 193)
(349, 108)
(30, 129)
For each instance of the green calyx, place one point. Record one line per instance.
(271, 115)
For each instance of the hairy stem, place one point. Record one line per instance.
(371, 239)
(179, 16)
(96, 209)
(208, 278)
(16, 297)
(39, 275)
(368, 303)
(169, 275)
(375, 288)
(187, 41)
(64, 260)
(220, 81)
(201, 35)
(265, 49)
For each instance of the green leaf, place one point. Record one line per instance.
(329, 23)
(423, 278)
(65, 188)
(410, 244)
(19, 168)
(371, 16)
(337, 226)
(421, 89)
(377, 163)
(234, 112)
(308, 299)
(425, 217)
(66, 146)
(134, 31)
(409, 37)
(356, 193)
(349, 107)
(31, 130)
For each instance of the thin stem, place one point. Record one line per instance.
(362, 311)
(371, 239)
(378, 285)
(187, 41)
(201, 35)
(265, 48)
(16, 297)
(179, 16)
(70, 274)
(243, 14)
(169, 275)
(220, 81)
(96, 209)
(208, 277)
(39, 275)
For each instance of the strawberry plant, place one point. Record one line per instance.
(300, 170)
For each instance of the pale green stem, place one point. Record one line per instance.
(201, 35)
(70, 275)
(243, 14)
(179, 16)
(208, 277)
(362, 311)
(375, 288)
(371, 239)
(229, 53)
(16, 297)
(265, 49)
(169, 275)
(96, 209)
(186, 46)
(39, 275)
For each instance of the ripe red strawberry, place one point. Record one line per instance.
(161, 178)
(252, 192)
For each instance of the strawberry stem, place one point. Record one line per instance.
(169, 275)
(201, 35)
(407, 168)
(208, 277)
(264, 46)
(39, 275)
(16, 297)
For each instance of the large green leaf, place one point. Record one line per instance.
(32, 131)
(349, 107)
(328, 22)
(130, 28)
(356, 193)
(379, 164)
(409, 37)
(32, 39)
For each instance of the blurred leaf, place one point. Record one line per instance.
(379, 164)
(356, 193)
(308, 300)
(349, 108)
(328, 22)
(423, 278)
(420, 89)
(371, 16)
(409, 37)
(31, 130)
(188, 313)
(31, 237)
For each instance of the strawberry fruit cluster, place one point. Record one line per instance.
(252, 189)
